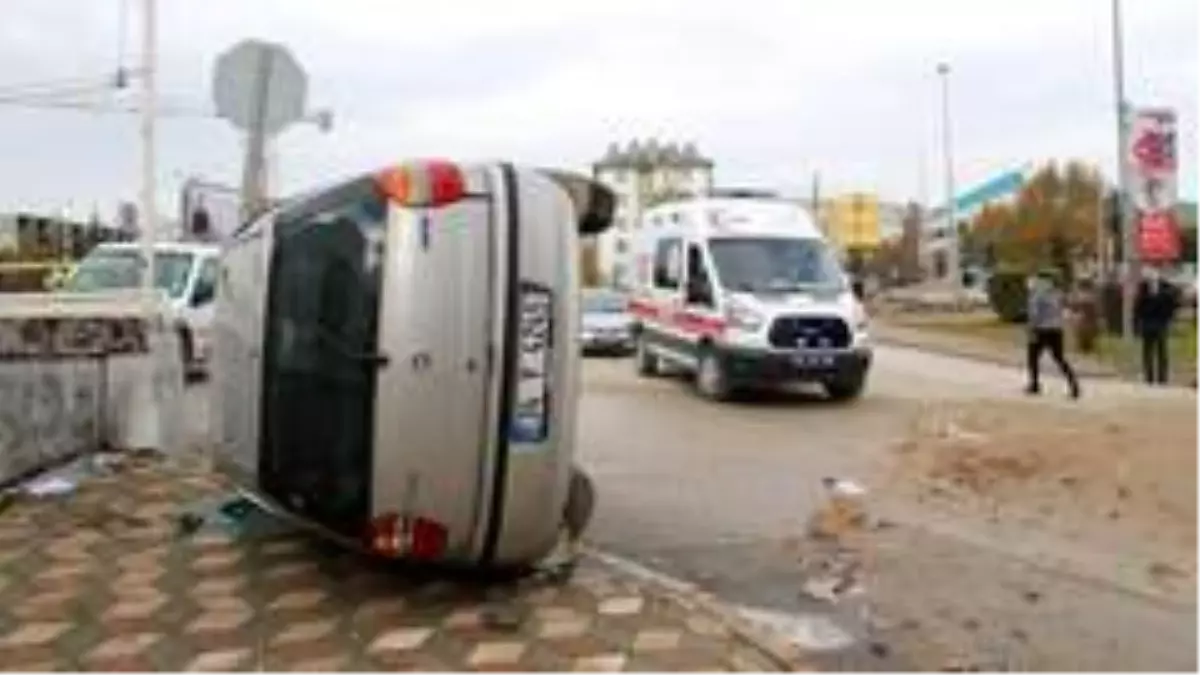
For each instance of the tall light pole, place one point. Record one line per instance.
(149, 219)
(952, 259)
(1124, 216)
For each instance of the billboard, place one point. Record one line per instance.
(1001, 186)
(854, 223)
(1153, 183)
(209, 212)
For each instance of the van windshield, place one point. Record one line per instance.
(119, 269)
(776, 265)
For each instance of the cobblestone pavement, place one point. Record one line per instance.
(104, 579)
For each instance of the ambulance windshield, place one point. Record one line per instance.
(773, 265)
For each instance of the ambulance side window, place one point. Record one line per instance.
(699, 288)
(666, 264)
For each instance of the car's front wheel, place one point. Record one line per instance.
(711, 379)
(846, 388)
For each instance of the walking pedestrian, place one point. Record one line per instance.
(1045, 332)
(1154, 310)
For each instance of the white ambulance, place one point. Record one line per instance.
(745, 293)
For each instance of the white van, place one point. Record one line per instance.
(746, 292)
(186, 274)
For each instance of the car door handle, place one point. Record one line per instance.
(378, 359)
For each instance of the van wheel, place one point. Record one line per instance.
(711, 379)
(846, 389)
(647, 363)
(186, 351)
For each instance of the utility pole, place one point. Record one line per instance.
(952, 260)
(816, 202)
(149, 219)
(1129, 267)
(254, 169)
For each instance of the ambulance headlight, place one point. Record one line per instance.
(861, 320)
(740, 317)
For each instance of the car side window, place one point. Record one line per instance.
(666, 264)
(205, 289)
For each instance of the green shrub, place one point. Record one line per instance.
(1007, 295)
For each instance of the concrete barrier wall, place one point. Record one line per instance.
(73, 384)
(50, 410)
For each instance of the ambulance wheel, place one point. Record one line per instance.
(647, 363)
(846, 389)
(711, 380)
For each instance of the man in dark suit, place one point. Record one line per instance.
(1153, 311)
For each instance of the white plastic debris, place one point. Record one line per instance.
(844, 487)
(49, 487)
(811, 632)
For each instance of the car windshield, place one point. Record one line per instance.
(117, 269)
(603, 303)
(776, 265)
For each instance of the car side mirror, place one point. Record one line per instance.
(698, 292)
(203, 294)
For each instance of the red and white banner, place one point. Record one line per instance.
(1153, 168)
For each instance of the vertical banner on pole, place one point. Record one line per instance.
(1153, 183)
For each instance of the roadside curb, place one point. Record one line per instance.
(771, 645)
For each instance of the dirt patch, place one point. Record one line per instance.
(1088, 472)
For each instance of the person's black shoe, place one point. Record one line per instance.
(1033, 390)
(1075, 393)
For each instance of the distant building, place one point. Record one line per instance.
(643, 175)
(36, 236)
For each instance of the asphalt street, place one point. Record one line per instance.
(720, 495)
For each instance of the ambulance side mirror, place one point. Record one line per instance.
(594, 202)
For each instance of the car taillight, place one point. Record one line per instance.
(393, 536)
(430, 183)
(428, 539)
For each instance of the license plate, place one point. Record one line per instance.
(535, 350)
(812, 360)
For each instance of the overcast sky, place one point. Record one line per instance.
(771, 91)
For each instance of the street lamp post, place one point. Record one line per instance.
(149, 216)
(1128, 268)
(952, 259)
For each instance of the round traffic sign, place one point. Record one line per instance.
(259, 82)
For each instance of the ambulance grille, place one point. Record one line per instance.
(809, 332)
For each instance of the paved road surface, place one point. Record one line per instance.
(719, 494)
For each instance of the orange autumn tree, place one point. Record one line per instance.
(1052, 222)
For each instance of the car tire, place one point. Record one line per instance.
(648, 364)
(711, 379)
(846, 389)
(581, 503)
(186, 350)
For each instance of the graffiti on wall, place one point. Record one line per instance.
(53, 337)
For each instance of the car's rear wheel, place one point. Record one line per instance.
(648, 364)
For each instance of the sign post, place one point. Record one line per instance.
(261, 89)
